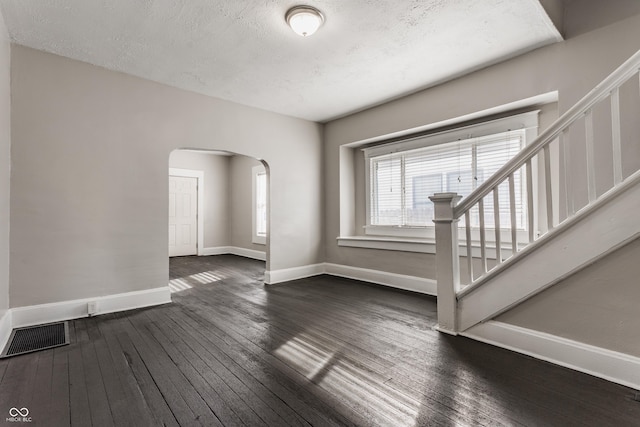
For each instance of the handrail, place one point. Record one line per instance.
(597, 94)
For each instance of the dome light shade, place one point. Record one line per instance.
(304, 20)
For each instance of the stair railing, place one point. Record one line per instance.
(447, 211)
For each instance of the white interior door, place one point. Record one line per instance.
(183, 216)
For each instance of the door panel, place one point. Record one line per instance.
(183, 216)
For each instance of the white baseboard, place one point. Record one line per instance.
(295, 273)
(445, 331)
(249, 253)
(5, 328)
(610, 365)
(218, 250)
(66, 310)
(400, 281)
(234, 250)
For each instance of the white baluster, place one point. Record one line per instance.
(467, 220)
(530, 222)
(615, 136)
(496, 224)
(512, 209)
(483, 240)
(568, 188)
(547, 182)
(591, 168)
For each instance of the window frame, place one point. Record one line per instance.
(258, 238)
(527, 121)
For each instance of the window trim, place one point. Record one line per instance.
(527, 121)
(424, 246)
(256, 238)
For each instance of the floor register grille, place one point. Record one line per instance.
(36, 338)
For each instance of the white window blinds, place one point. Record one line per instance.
(402, 181)
(261, 204)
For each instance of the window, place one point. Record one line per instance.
(402, 175)
(259, 205)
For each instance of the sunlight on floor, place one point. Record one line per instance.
(184, 283)
(207, 277)
(356, 386)
(177, 285)
(309, 359)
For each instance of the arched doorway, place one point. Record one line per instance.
(218, 204)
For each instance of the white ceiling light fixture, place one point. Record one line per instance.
(304, 20)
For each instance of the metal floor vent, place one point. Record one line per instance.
(36, 338)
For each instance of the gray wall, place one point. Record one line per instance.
(581, 16)
(89, 182)
(597, 306)
(216, 192)
(240, 202)
(5, 164)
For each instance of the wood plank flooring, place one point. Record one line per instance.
(323, 351)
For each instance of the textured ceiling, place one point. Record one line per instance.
(367, 52)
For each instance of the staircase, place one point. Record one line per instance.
(523, 267)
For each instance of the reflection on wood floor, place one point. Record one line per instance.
(321, 351)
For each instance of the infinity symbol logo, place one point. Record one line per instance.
(14, 412)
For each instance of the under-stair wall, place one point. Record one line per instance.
(596, 306)
(588, 321)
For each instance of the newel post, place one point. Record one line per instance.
(447, 260)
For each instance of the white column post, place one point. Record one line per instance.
(447, 260)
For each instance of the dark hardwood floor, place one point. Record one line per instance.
(322, 351)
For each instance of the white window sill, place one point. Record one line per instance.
(425, 246)
(259, 240)
(425, 234)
